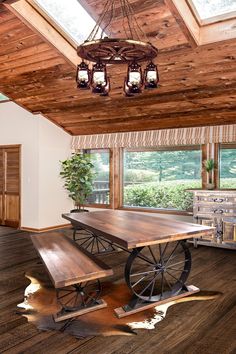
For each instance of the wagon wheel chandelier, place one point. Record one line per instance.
(103, 50)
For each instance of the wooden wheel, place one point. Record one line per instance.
(159, 271)
(75, 297)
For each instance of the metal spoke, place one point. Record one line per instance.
(172, 252)
(97, 244)
(85, 241)
(160, 250)
(180, 262)
(177, 269)
(174, 277)
(167, 282)
(150, 249)
(150, 271)
(144, 258)
(92, 245)
(138, 281)
(154, 279)
(151, 292)
(167, 244)
(162, 283)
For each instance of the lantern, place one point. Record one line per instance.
(151, 77)
(83, 76)
(133, 82)
(100, 82)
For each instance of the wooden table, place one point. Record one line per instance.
(159, 262)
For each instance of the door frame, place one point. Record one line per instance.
(20, 170)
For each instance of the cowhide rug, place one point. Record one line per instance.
(40, 304)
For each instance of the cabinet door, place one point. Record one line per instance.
(12, 187)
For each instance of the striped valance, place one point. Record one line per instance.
(168, 137)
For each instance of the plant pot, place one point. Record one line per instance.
(210, 186)
(79, 211)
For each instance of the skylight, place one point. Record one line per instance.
(207, 9)
(70, 16)
(3, 97)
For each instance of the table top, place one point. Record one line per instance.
(131, 230)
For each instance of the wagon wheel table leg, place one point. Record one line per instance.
(156, 273)
(78, 299)
(91, 242)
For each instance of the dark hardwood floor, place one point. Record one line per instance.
(197, 327)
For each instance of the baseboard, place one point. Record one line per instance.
(45, 229)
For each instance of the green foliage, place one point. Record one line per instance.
(209, 165)
(140, 176)
(167, 165)
(169, 195)
(78, 173)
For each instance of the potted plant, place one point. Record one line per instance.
(209, 166)
(78, 173)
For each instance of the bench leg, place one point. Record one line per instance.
(78, 299)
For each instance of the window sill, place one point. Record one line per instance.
(158, 211)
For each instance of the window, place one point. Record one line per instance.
(101, 191)
(213, 9)
(69, 16)
(227, 166)
(158, 179)
(3, 97)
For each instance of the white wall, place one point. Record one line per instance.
(54, 146)
(43, 144)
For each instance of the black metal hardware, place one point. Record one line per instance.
(79, 296)
(91, 242)
(156, 272)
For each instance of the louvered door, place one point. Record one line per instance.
(10, 186)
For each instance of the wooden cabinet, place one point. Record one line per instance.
(216, 208)
(10, 186)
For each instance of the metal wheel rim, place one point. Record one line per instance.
(174, 289)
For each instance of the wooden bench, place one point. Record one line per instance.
(74, 272)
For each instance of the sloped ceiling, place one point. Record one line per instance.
(197, 85)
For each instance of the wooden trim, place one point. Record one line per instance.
(200, 33)
(216, 169)
(4, 101)
(157, 211)
(165, 148)
(204, 173)
(209, 20)
(33, 19)
(185, 19)
(45, 229)
(53, 23)
(99, 206)
(118, 177)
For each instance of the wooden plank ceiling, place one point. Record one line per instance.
(197, 85)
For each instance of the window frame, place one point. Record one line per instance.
(209, 20)
(160, 148)
(104, 206)
(224, 146)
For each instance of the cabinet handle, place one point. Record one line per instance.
(218, 200)
(218, 211)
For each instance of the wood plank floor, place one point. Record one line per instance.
(207, 327)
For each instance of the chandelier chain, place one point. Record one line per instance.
(111, 17)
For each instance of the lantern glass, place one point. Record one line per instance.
(134, 77)
(83, 75)
(99, 77)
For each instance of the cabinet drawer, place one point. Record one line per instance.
(215, 199)
(214, 211)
